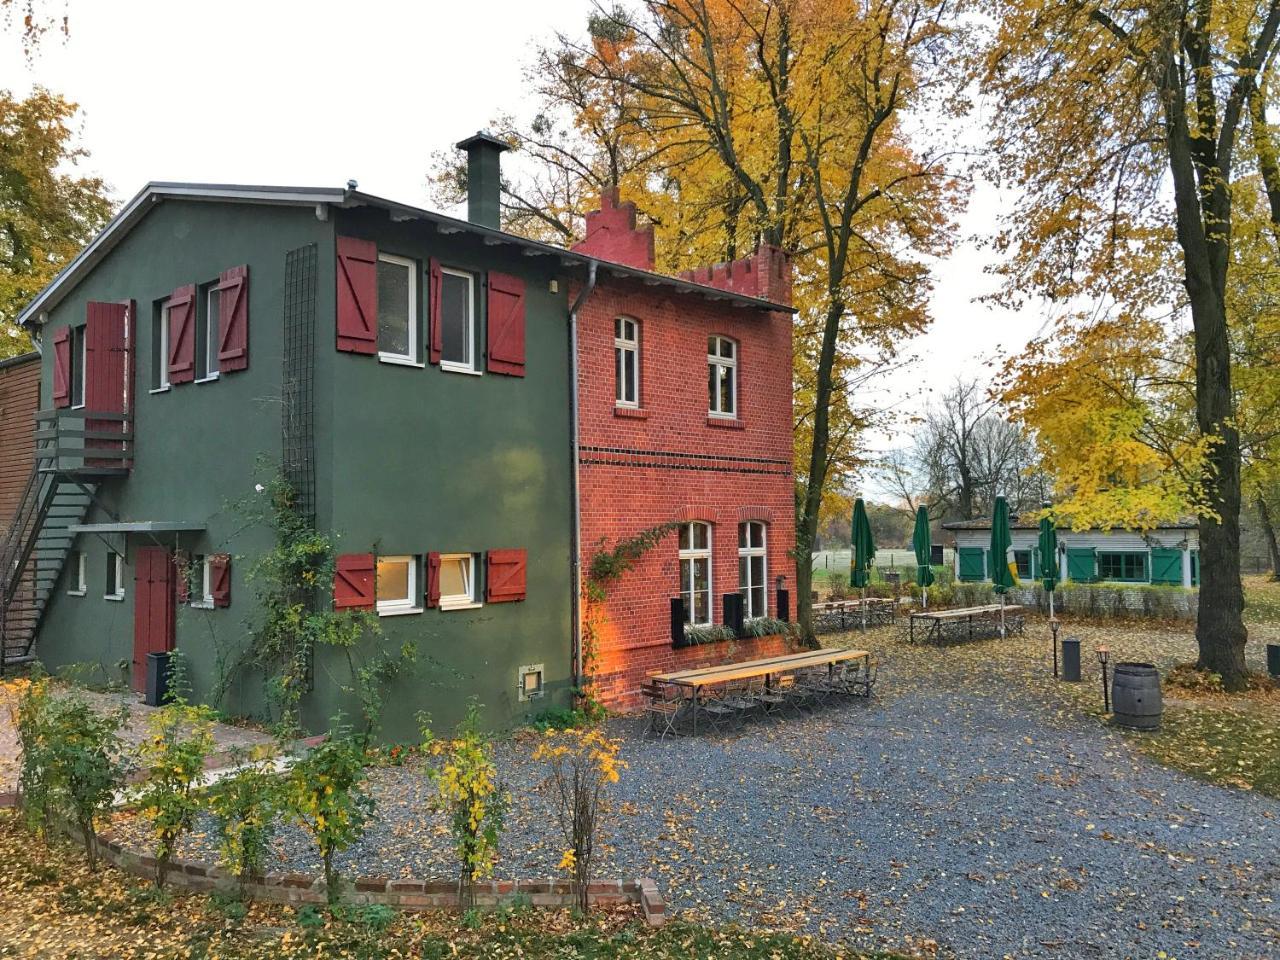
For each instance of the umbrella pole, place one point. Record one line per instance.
(925, 591)
(864, 609)
(1002, 633)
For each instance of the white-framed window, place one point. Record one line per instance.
(695, 572)
(626, 362)
(160, 349)
(397, 586)
(397, 309)
(77, 366)
(75, 563)
(115, 577)
(207, 327)
(458, 588)
(722, 377)
(752, 569)
(457, 321)
(200, 592)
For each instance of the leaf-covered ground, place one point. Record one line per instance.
(52, 906)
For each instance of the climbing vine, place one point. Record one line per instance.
(607, 567)
(295, 619)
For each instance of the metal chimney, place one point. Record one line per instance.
(484, 178)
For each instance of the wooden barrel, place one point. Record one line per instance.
(1135, 696)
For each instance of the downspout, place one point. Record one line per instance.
(579, 301)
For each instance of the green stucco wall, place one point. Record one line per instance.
(408, 460)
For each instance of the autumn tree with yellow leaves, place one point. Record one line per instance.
(1129, 128)
(732, 124)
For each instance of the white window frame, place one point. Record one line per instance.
(687, 588)
(119, 562)
(212, 327)
(722, 367)
(629, 351)
(163, 347)
(80, 353)
(407, 604)
(470, 366)
(410, 358)
(202, 597)
(80, 583)
(746, 553)
(459, 601)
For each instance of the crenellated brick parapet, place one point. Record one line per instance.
(612, 234)
(766, 274)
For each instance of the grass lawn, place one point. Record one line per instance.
(51, 905)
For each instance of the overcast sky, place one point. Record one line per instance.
(277, 92)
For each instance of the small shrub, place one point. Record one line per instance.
(85, 764)
(179, 740)
(768, 627)
(29, 715)
(837, 585)
(469, 791)
(712, 633)
(325, 795)
(582, 764)
(244, 806)
(564, 718)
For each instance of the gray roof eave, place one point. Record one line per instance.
(137, 208)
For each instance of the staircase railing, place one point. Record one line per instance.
(85, 442)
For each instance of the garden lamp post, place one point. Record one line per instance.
(1104, 656)
(1054, 625)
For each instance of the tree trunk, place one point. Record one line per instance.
(811, 504)
(1269, 532)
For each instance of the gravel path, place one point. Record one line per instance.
(955, 809)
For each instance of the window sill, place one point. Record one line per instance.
(448, 367)
(726, 423)
(398, 361)
(115, 597)
(631, 413)
(209, 379)
(164, 389)
(469, 605)
(76, 593)
(201, 605)
(399, 611)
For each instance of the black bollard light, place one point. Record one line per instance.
(1071, 659)
(1054, 625)
(1104, 657)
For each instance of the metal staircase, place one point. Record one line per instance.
(74, 451)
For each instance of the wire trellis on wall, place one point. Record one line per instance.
(298, 425)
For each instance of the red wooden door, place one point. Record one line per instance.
(154, 582)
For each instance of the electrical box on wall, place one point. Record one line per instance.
(529, 682)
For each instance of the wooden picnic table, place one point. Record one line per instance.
(768, 667)
(939, 620)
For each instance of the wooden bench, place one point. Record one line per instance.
(966, 623)
(842, 615)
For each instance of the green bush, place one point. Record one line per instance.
(30, 716)
(767, 627)
(84, 764)
(325, 795)
(244, 807)
(179, 740)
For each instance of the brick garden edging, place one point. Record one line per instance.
(411, 895)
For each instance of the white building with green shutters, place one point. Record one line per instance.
(1169, 554)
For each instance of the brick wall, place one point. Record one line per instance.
(669, 461)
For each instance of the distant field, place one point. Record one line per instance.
(837, 561)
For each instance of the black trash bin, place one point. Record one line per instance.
(1273, 659)
(157, 689)
(1071, 659)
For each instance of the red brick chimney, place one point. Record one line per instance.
(765, 274)
(612, 233)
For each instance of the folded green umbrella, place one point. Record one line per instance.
(922, 543)
(864, 547)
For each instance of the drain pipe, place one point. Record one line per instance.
(579, 301)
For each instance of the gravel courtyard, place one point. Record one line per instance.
(959, 805)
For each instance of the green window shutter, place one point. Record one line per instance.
(1081, 565)
(1195, 568)
(972, 565)
(1166, 566)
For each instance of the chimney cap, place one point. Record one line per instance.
(485, 137)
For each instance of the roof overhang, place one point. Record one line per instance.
(321, 198)
(137, 526)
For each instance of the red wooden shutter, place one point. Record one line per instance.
(182, 334)
(62, 367)
(433, 320)
(504, 575)
(357, 295)
(106, 373)
(433, 579)
(182, 564)
(220, 579)
(506, 324)
(353, 581)
(233, 320)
